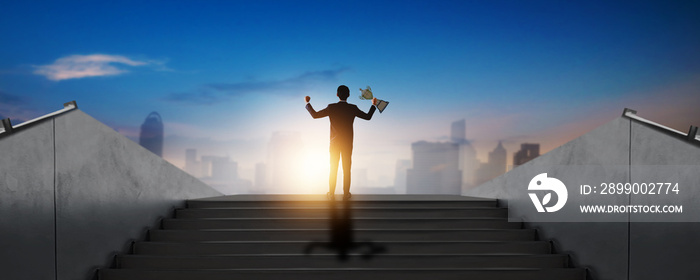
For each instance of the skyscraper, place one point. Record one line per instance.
(527, 152)
(458, 132)
(497, 160)
(467, 154)
(494, 167)
(468, 164)
(151, 136)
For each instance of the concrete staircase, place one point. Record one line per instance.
(384, 237)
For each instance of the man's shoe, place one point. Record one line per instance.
(347, 196)
(330, 196)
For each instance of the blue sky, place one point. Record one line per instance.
(227, 74)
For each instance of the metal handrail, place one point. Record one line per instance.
(691, 135)
(7, 126)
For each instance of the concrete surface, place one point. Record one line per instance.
(619, 246)
(27, 203)
(601, 247)
(663, 250)
(108, 190)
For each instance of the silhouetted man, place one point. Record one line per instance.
(342, 116)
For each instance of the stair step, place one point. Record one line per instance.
(299, 247)
(357, 212)
(324, 223)
(346, 274)
(332, 261)
(324, 234)
(304, 201)
(386, 237)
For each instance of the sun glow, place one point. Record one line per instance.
(313, 174)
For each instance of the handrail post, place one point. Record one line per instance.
(628, 110)
(7, 125)
(69, 104)
(692, 132)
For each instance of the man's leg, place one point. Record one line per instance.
(347, 164)
(333, 176)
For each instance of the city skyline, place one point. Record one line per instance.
(226, 75)
(287, 177)
(252, 168)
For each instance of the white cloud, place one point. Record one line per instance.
(81, 66)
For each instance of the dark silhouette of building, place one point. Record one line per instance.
(527, 152)
(435, 169)
(151, 136)
(494, 167)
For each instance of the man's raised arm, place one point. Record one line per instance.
(368, 115)
(314, 114)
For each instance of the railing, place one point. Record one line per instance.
(692, 134)
(8, 128)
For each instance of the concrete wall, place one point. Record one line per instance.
(108, 191)
(664, 250)
(27, 204)
(612, 247)
(601, 246)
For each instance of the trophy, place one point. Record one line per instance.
(367, 95)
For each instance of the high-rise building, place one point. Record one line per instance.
(151, 136)
(467, 154)
(468, 164)
(400, 177)
(497, 159)
(435, 169)
(494, 167)
(527, 152)
(458, 132)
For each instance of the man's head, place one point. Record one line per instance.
(343, 92)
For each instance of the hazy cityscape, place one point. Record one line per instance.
(447, 167)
